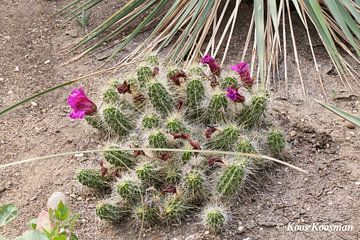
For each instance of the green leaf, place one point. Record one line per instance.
(60, 237)
(62, 212)
(32, 224)
(32, 235)
(8, 213)
(260, 37)
(73, 237)
(350, 117)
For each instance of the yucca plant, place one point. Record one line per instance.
(185, 25)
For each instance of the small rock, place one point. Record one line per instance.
(33, 198)
(207, 232)
(357, 183)
(10, 92)
(349, 125)
(47, 62)
(7, 37)
(79, 199)
(34, 104)
(72, 195)
(72, 34)
(241, 229)
(79, 155)
(292, 133)
(17, 68)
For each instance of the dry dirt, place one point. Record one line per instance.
(318, 141)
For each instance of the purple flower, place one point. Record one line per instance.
(80, 104)
(234, 95)
(210, 61)
(244, 71)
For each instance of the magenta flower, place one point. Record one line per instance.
(80, 104)
(244, 71)
(210, 61)
(234, 95)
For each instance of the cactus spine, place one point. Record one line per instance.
(276, 142)
(117, 121)
(111, 212)
(160, 98)
(92, 179)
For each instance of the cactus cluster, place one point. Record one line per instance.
(186, 109)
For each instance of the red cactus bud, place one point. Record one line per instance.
(170, 189)
(165, 156)
(195, 145)
(209, 131)
(156, 71)
(213, 160)
(138, 153)
(179, 104)
(176, 75)
(124, 88)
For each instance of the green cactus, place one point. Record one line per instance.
(153, 60)
(96, 122)
(147, 214)
(215, 218)
(129, 190)
(158, 140)
(160, 98)
(276, 142)
(195, 95)
(148, 173)
(175, 125)
(216, 112)
(118, 158)
(111, 213)
(117, 121)
(92, 179)
(111, 96)
(175, 208)
(183, 116)
(144, 74)
(245, 146)
(226, 139)
(253, 115)
(194, 181)
(172, 174)
(229, 82)
(232, 178)
(150, 121)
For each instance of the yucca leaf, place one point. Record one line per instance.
(318, 18)
(350, 117)
(178, 150)
(121, 13)
(344, 20)
(260, 37)
(139, 28)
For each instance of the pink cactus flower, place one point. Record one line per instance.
(80, 104)
(234, 95)
(210, 61)
(244, 71)
(43, 222)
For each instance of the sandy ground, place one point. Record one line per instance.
(30, 60)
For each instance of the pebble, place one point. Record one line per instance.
(7, 37)
(72, 195)
(34, 104)
(47, 62)
(349, 125)
(207, 232)
(79, 198)
(33, 198)
(17, 68)
(241, 229)
(79, 155)
(292, 133)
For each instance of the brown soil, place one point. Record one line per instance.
(318, 141)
